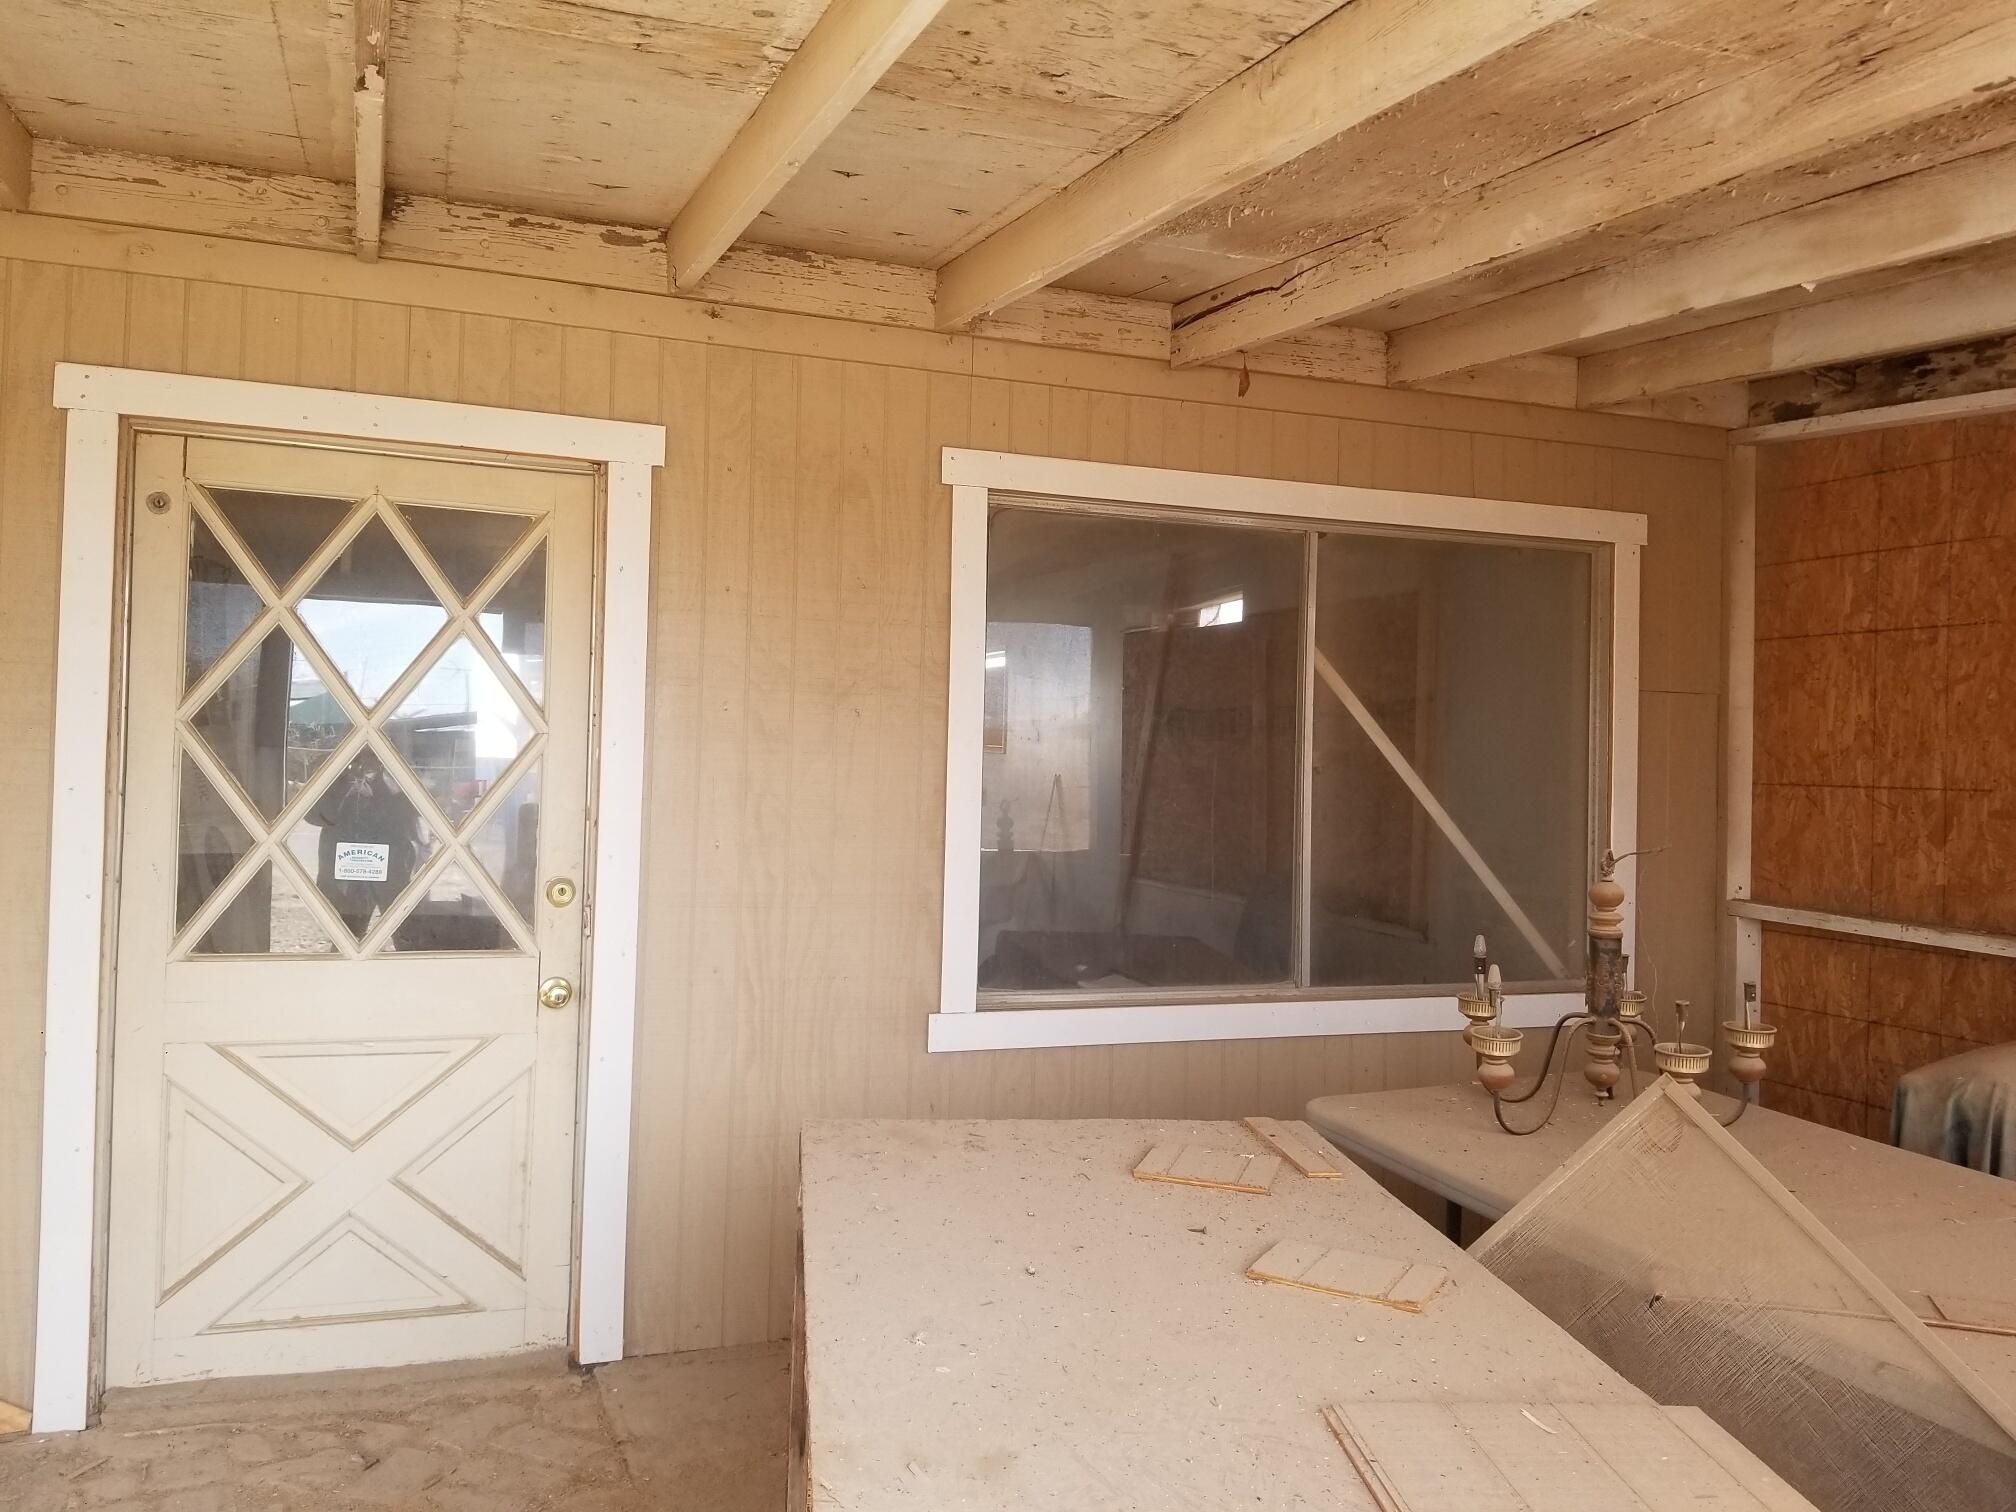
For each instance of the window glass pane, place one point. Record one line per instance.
(508, 842)
(1474, 661)
(465, 543)
(361, 841)
(268, 917)
(459, 729)
(451, 916)
(515, 621)
(222, 603)
(271, 722)
(372, 611)
(283, 530)
(1138, 779)
(210, 842)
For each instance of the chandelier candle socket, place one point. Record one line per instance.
(1613, 1014)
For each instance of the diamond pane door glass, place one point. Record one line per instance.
(451, 915)
(222, 602)
(268, 917)
(210, 840)
(515, 621)
(466, 544)
(281, 530)
(1139, 784)
(372, 611)
(508, 842)
(1473, 660)
(361, 841)
(271, 722)
(459, 729)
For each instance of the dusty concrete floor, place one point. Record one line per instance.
(677, 1433)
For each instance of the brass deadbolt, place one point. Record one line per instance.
(158, 502)
(560, 891)
(555, 992)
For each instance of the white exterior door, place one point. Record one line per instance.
(354, 831)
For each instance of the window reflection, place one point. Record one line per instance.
(1138, 780)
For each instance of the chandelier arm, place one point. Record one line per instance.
(1630, 1059)
(1742, 1106)
(1552, 1040)
(1584, 1021)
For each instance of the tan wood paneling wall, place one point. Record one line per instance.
(791, 908)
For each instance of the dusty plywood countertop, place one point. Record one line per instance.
(999, 1315)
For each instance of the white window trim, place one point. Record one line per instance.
(974, 476)
(98, 401)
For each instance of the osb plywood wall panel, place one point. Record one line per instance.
(1885, 770)
(791, 907)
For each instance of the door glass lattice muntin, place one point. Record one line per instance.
(361, 726)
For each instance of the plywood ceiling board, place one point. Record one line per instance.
(212, 80)
(603, 112)
(1002, 102)
(1583, 77)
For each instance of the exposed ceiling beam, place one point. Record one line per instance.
(1358, 61)
(1908, 317)
(367, 99)
(17, 153)
(850, 47)
(1909, 378)
(1937, 213)
(1792, 112)
(294, 210)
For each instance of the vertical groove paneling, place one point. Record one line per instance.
(796, 773)
(37, 306)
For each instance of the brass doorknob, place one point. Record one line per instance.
(555, 992)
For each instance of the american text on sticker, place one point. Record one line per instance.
(362, 861)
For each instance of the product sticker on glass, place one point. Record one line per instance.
(357, 861)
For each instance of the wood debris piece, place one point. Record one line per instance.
(1568, 1457)
(1301, 1146)
(1405, 1284)
(1988, 1315)
(1192, 1165)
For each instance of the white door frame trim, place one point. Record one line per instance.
(974, 478)
(98, 401)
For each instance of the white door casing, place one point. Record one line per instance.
(357, 750)
(99, 403)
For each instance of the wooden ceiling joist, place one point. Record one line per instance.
(17, 155)
(1932, 311)
(850, 48)
(367, 99)
(1905, 379)
(1796, 111)
(294, 210)
(1938, 213)
(1363, 59)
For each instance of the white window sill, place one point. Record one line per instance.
(1171, 1023)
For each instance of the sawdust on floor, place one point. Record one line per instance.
(672, 1433)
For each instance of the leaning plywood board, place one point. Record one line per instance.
(998, 1317)
(1564, 1457)
(1405, 1284)
(1299, 1145)
(1192, 1165)
(1665, 1247)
